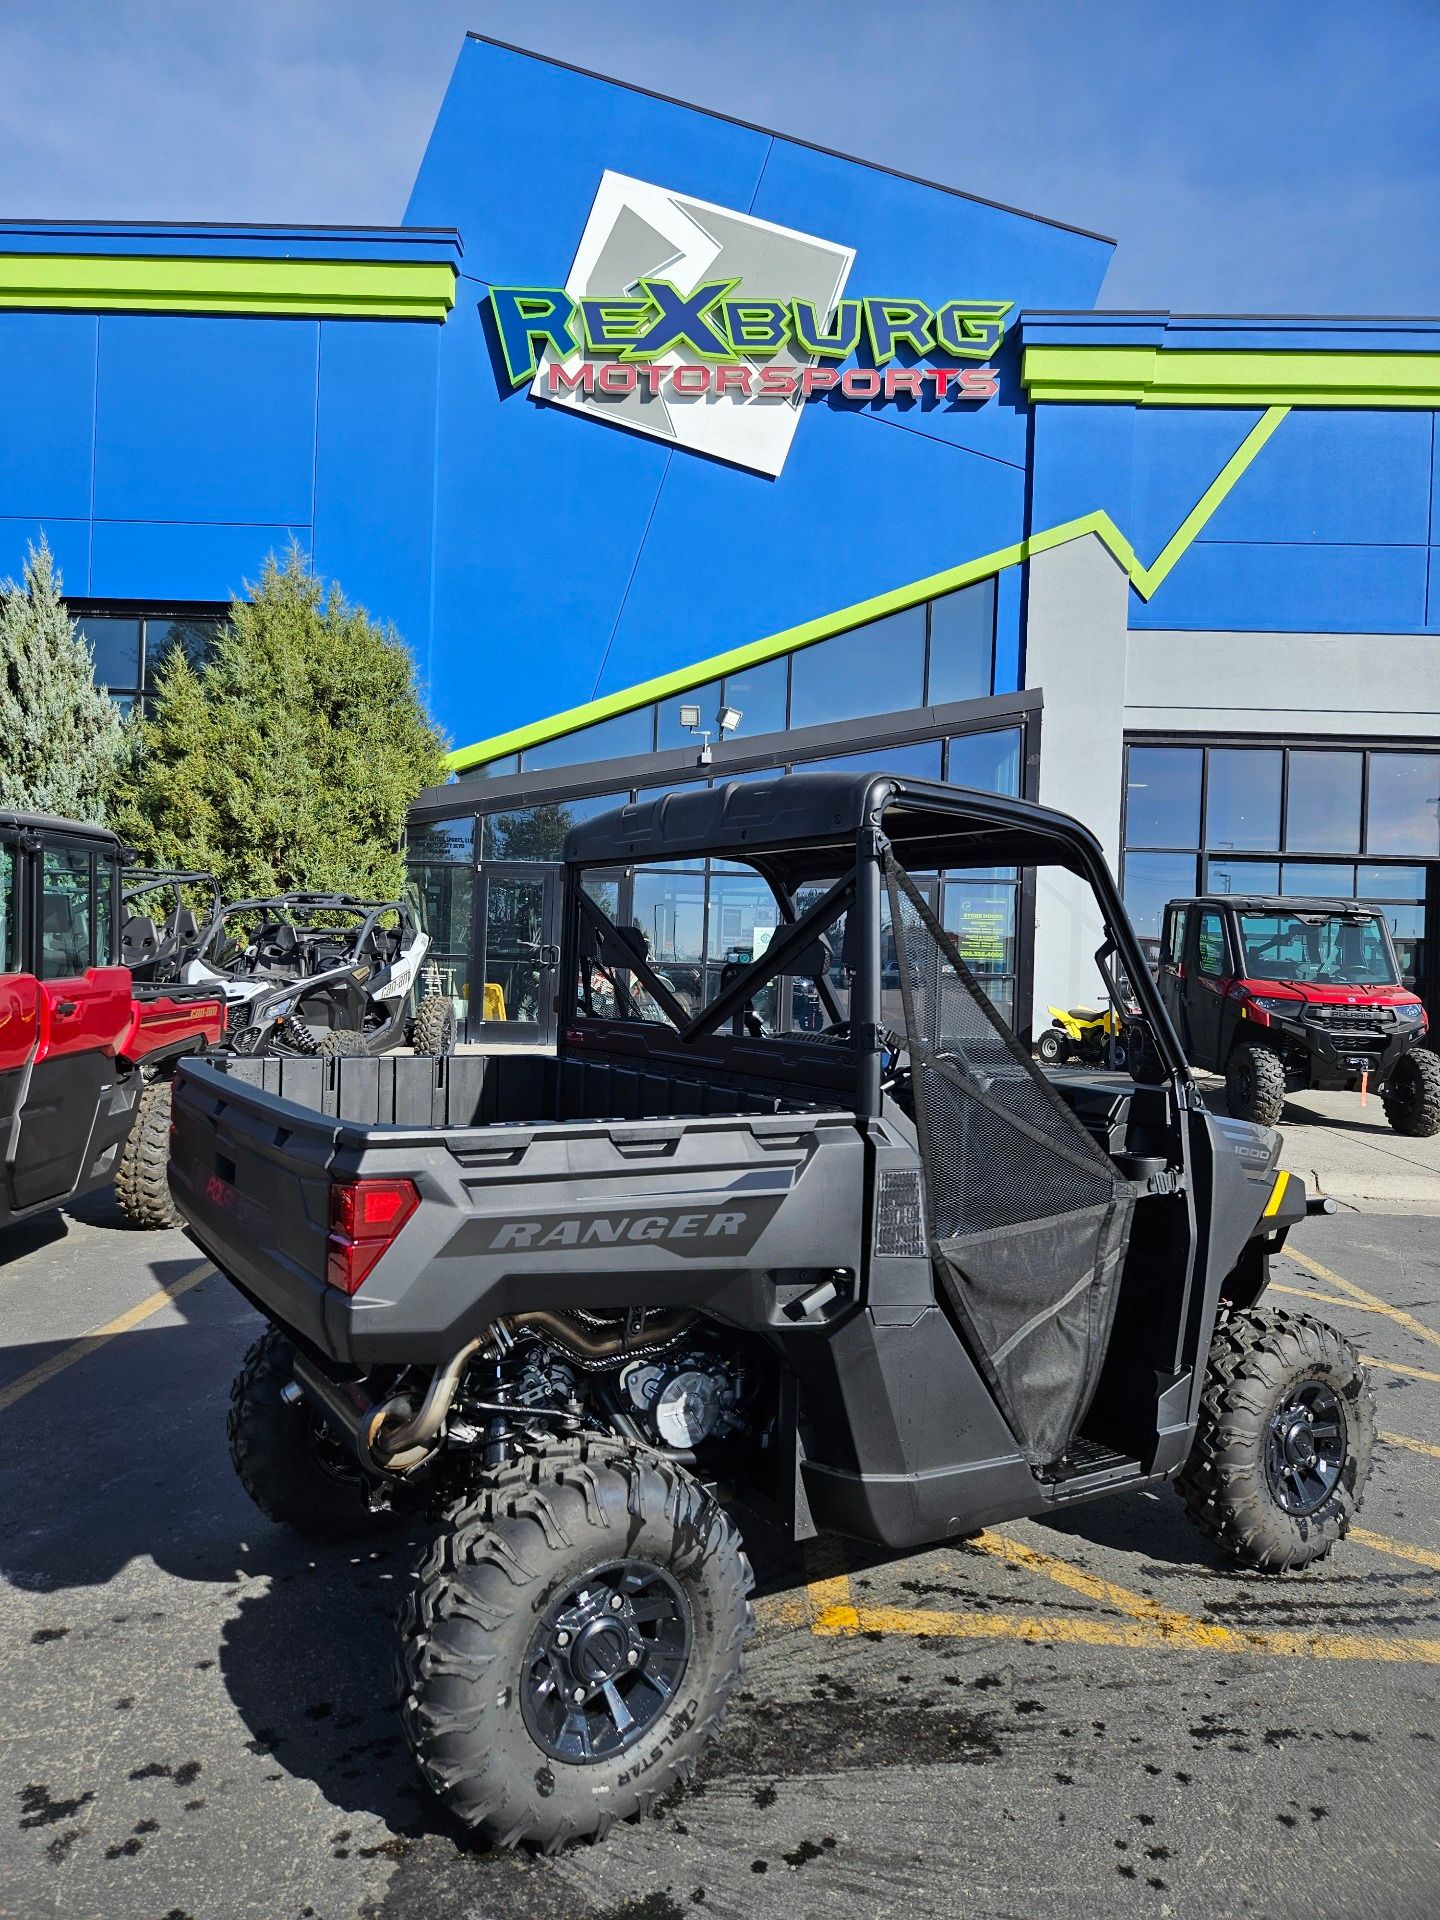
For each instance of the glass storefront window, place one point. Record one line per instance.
(442, 839)
(1150, 880)
(1321, 879)
(1162, 797)
(116, 647)
(962, 644)
(762, 694)
(538, 833)
(194, 638)
(1243, 802)
(1389, 883)
(1241, 876)
(607, 740)
(921, 758)
(989, 761)
(1322, 810)
(879, 668)
(669, 909)
(670, 733)
(1404, 804)
(980, 918)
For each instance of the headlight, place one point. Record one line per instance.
(1279, 1009)
(1412, 1013)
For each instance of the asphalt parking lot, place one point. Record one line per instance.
(1088, 1716)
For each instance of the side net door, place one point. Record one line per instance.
(1028, 1219)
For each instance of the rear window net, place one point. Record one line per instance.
(1027, 1218)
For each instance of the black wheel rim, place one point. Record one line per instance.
(1305, 1447)
(1245, 1082)
(607, 1656)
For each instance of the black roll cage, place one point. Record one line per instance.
(789, 831)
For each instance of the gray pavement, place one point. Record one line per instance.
(1091, 1716)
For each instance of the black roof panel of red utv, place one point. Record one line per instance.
(16, 822)
(1272, 903)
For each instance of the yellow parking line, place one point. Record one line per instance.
(1164, 1621)
(1325, 1299)
(78, 1349)
(1397, 1549)
(1411, 1446)
(827, 1590)
(1364, 1299)
(1394, 1366)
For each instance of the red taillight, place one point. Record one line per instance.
(365, 1218)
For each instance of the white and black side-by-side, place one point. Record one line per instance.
(884, 1276)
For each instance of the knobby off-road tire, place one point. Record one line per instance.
(142, 1185)
(297, 1472)
(336, 1042)
(484, 1684)
(432, 1030)
(1279, 1386)
(1412, 1094)
(1255, 1084)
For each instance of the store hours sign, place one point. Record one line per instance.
(713, 330)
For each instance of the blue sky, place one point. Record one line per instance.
(1275, 156)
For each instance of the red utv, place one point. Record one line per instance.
(1284, 995)
(80, 1043)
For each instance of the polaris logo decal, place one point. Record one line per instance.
(691, 1231)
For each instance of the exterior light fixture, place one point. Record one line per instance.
(726, 721)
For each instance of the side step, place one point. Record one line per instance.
(1088, 1467)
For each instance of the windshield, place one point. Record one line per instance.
(1348, 950)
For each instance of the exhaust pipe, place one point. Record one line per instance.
(394, 1436)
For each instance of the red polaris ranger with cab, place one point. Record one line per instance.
(1284, 995)
(78, 1039)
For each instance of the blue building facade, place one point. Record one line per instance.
(860, 457)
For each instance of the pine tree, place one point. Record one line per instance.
(289, 757)
(61, 737)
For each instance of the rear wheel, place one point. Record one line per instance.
(1282, 1452)
(142, 1183)
(1052, 1046)
(571, 1642)
(293, 1467)
(1255, 1084)
(433, 1028)
(1412, 1094)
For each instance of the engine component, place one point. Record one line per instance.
(686, 1399)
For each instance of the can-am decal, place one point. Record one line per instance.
(711, 329)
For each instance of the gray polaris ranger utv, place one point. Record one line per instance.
(886, 1277)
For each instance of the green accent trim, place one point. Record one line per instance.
(326, 289)
(1169, 377)
(1144, 579)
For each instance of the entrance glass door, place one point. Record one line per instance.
(519, 934)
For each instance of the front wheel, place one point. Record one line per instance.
(1255, 1084)
(1282, 1451)
(1412, 1094)
(1052, 1046)
(571, 1642)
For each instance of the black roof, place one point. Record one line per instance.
(19, 822)
(802, 826)
(1273, 903)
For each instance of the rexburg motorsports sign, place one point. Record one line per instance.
(711, 329)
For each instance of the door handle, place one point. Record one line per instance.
(548, 956)
(66, 1007)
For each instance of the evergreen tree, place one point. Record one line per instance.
(61, 736)
(287, 759)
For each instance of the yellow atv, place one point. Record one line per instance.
(1095, 1035)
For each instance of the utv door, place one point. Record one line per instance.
(518, 939)
(1207, 972)
(65, 1120)
(19, 1005)
(1170, 973)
